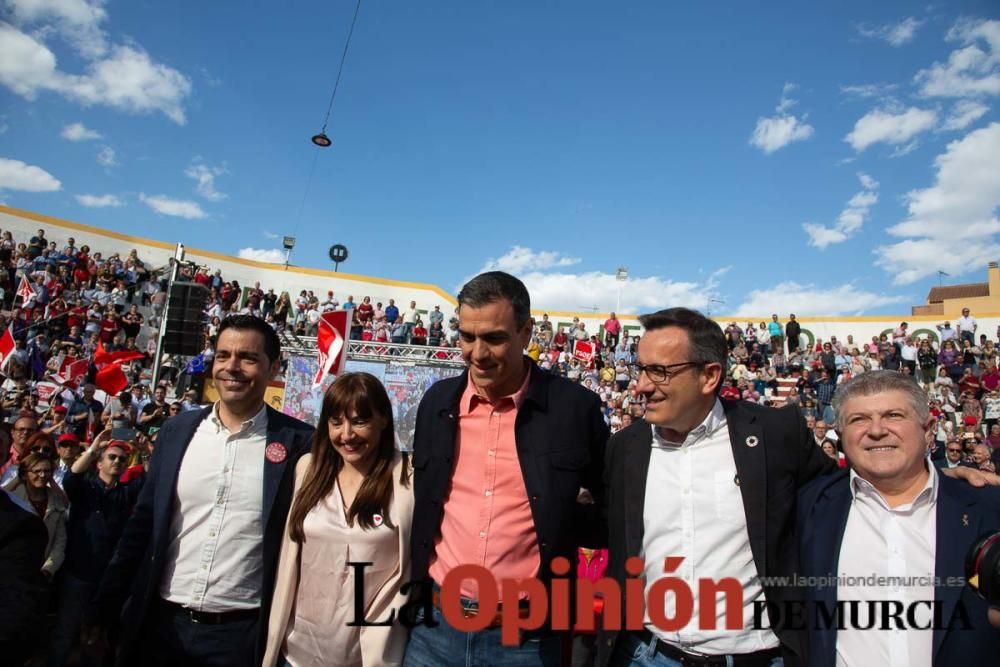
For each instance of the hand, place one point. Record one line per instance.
(995, 617)
(976, 478)
(102, 436)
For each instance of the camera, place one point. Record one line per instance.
(982, 567)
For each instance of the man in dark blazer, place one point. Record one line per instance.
(847, 518)
(198, 556)
(500, 455)
(708, 480)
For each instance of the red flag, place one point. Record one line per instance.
(331, 342)
(6, 347)
(72, 372)
(102, 357)
(24, 291)
(110, 377)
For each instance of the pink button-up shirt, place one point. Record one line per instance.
(487, 517)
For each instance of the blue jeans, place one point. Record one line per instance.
(632, 651)
(444, 646)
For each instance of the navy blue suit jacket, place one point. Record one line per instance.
(132, 580)
(963, 514)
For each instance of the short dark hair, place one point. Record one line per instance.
(706, 341)
(494, 286)
(272, 344)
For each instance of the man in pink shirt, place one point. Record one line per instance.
(500, 454)
(612, 330)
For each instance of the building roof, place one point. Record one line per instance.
(966, 291)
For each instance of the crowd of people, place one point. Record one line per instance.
(81, 463)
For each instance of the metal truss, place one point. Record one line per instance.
(372, 351)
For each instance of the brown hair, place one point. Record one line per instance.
(363, 395)
(40, 438)
(29, 462)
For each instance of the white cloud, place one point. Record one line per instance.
(270, 235)
(775, 132)
(896, 34)
(973, 69)
(964, 114)
(180, 208)
(951, 225)
(125, 78)
(106, 157)
(76, 21)
(261, 255)
(555, 289)
(77, 132)
(204, 176)
(808, 299)
(99, 201)
(850, 220)
(870, 90)
(881, 126)
(16, 175)
(521, 260)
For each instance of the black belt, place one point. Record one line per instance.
(211, 617)
(756, 659)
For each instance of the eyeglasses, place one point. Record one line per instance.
(25, 430)
(116, 457)
(954, 449)
(662, 374)
(41, 473)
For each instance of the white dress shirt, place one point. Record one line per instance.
(890, 542)
(214, 558)
(693, 508)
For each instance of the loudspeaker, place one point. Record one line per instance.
(185, 333)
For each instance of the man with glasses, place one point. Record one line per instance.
(23, 428)
(100, 507)
(953, 456)
(708, 480)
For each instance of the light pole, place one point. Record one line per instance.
(288, 242)
(621, 275)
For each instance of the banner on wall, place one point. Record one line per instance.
(404, 382)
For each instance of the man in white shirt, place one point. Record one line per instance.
(713, 483)
(200, 551)
(888, 538)
(967, 326)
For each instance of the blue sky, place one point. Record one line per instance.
(825, 160)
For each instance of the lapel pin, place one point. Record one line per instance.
(752, 441)
(275, 452)
(965, 520)
(377, 520)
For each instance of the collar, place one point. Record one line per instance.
(927, 495)
(470, 397)
(257, 422)
(715, 420)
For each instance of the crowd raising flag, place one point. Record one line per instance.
(6, 347)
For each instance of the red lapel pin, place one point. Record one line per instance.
(275, 452)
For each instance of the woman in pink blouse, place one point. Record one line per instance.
(353, 503)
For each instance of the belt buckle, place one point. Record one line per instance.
(470, 611)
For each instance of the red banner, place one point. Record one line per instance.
(584, 351)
